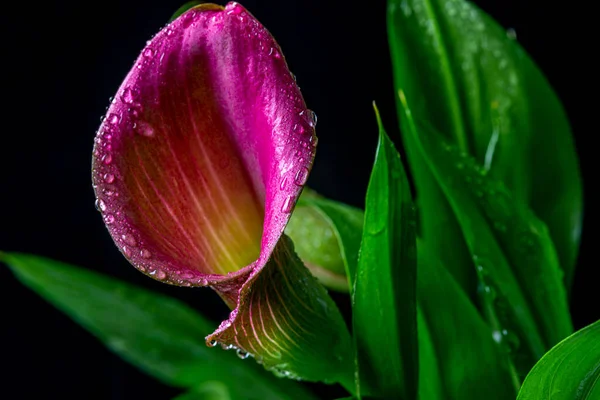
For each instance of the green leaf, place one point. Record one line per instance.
(521, 287)
(286, 319)
(327, 237)
(384, 298)
(476, 85)
(158, 334)
(570, 371)
(211, 390)
(184, 8)
(470, 365)
(430, 374)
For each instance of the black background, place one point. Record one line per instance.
(62, 61)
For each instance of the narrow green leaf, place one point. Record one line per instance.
(327, 237)
(520, 279)
(430, 373)
(569, 371)
(384, 297)
(477, 86)
(158, 334)
(470, 365)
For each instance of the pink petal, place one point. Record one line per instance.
(204, 151)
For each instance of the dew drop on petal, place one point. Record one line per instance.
(298, 128)
(235, 10)
(127, 95)
(283, 183)
(107, 158)
(288, 204)
(129, 239)
(127, 251)
(109, 219)
(301, 176)
(211, 343)
(113, 119)
(149, 52)
(160, 274)
(109, 178)
(242, 354)
(313, 118)
(145, 129)
(145, 253)
(100, 205)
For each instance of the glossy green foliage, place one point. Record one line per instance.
(327, 237)
(570, 371)
(160, 335)
(384, 297)
(458, 357)
(473, 82)
(520, 281)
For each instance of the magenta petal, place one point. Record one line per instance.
(204, 151)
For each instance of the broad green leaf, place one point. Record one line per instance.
(475, 84)
(327, 237)
(570, 371)
(384, 298)
(520, 279)
(470, 365)
(184, 8)
(158, 334)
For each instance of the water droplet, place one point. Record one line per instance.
(313, 118)
(406, 10)
(298, 128)
(301, 176)
(109, 219)
(109, 178)
(497, 336)
(187, 18)
(145, 129)
(113, 119)
(100, 205)
(144, 253)
(511, 33)
(275, 53)
(242, 354)
(127, 95)
(288, 204)
(129, 239)
(107, 158)
(512, 341)
(490, 292)
(204, 282)
(283, 183)
(314, 140)
(160, 274)
(149, 52)
(235, 9)
(212, 343)
(127, 251)
(169, 33)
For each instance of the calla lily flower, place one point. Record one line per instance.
(197, 167)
